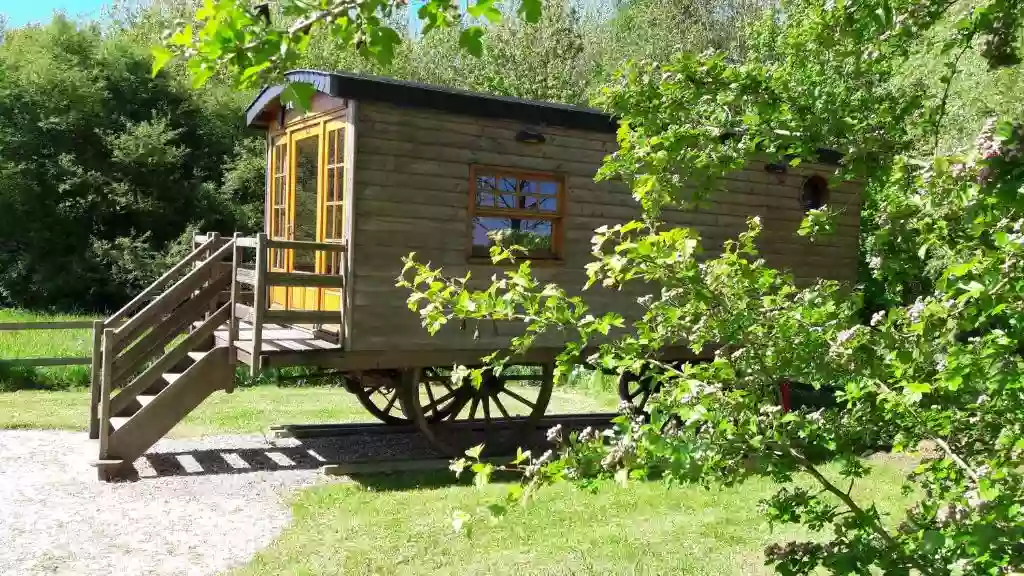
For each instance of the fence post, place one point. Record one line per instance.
(259, 301)
(95, 377)
(105, 390)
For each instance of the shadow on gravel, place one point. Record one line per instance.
(287, 454)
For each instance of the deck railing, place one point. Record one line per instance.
(261, 279)
(143, 339)
(189, 303)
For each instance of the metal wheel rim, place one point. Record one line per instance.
(632, 387)
(493, 416)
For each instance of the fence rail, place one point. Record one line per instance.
(46, 361)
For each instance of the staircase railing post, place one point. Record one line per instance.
(236, 263)
(216, 245)
(259, 301)
(106, 385)
(95, 379)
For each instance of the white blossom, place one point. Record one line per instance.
(915, 311)
(846, 335)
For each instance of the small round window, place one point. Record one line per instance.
(814, 194)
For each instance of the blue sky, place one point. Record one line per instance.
(20, 12)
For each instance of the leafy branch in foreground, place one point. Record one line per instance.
(936, 371)
(256, 43)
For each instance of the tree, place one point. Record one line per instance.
(256, 44)
(104, 170)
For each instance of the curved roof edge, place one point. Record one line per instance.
(417, 95)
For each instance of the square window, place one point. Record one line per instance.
(515, 209)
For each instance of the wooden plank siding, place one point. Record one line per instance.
(411, 185)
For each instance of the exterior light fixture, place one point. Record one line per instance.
(529, 136)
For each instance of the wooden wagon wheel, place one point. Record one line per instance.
(379, 391)
(502, 413)
(637, 389)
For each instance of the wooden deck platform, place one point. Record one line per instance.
(282, 345)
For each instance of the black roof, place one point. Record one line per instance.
(453, 100)
(417, 95)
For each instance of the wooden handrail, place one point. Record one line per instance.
(157, 285)
(303, 245)
(154, 342)
(146, 314)
(304, 280)
(106, 383)
(168, 360)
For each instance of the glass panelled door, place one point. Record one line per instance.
(334, 208)
(306, 168)
(307, 192)
(279, 215)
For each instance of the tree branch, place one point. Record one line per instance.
(959, 461)
(871, 520)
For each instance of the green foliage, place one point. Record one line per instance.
(105, 171)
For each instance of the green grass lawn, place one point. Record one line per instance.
(402, 525)
(245, 410)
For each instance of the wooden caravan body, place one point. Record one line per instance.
(414, 159)
(377, 169)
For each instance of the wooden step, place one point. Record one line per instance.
(118, 422)
(196, 356)
(112, 469)
(160, 412)
(145, 398)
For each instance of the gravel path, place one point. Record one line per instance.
(182, 517)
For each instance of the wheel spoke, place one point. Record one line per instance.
(391, 403)
(487, 409)
(497, 402)
(519, 398)
(472, 408)
(430, 396)
(647, 394)
(437, 403)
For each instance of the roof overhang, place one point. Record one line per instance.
(259, 114)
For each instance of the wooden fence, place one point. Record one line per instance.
(41, 361)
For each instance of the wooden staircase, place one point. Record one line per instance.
(158, 358)
(177, 342)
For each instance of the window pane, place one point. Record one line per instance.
(507, 184)
(548, 205)
(507, 201)
(485, 190)
(528, 186)
(307, 170)
(548, 188)
(534, 235)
